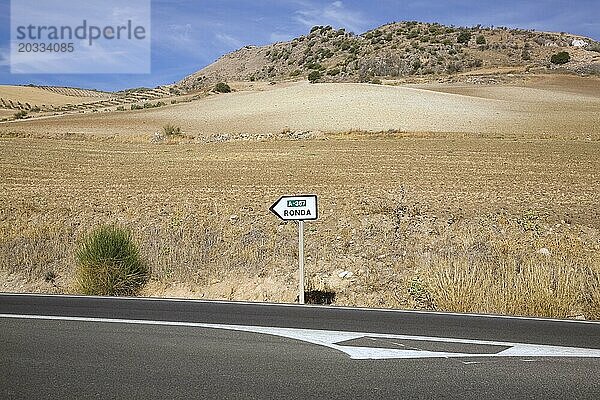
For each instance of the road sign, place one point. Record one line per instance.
(296, 208)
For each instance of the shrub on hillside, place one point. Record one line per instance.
(561, 57)
(21, 114)
(453, 67)
(315, 66)
(595, 46)
(476, 63)
(463, 37)
(314, 76)
(222, 87)
(480, 39)
(109, 264)
(171, 130)
(412, 34)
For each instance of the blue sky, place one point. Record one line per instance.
(188, 34)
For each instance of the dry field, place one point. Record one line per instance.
(542, 107)
(4, 112)
(477, 198)
(442, 222)
(39, 96)
(42, 99)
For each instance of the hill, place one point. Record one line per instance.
(398, 51)
(544, 105)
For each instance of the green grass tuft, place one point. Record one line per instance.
(171, 130)
(109, 264)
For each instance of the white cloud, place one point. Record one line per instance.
(134, 12)
(280, 37)
(185, 39)
(180, 32)
(229, 40)
(335, 14)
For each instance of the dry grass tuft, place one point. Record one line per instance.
(518, 285)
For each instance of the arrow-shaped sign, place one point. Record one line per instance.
(296, 208)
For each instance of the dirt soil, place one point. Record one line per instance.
(569, 106)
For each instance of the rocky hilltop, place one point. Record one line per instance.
(402, 50)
